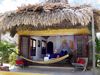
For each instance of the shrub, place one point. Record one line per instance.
(13, 57)
(6, 49)
(98, 51)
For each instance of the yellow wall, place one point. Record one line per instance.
(53, 32)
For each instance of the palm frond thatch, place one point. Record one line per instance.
(97, 18)
(54, 1)
(46, 15)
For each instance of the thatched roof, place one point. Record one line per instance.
(47, 15)
(97, 18)
(55, 1)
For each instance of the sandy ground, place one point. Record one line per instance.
(51, 70)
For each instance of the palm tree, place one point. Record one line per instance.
(5, 50)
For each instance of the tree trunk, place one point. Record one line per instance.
(1, 63)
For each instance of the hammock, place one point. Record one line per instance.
(51, 61)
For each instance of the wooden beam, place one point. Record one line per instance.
(94, 45)
(55, 32)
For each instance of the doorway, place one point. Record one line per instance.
(33, 47)
(50, 47)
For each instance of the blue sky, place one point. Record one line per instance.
(95, 3)
(7, 5)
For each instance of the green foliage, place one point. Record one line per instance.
(98, 51)
(97, 45)
(98, 60)
(6, 49)
(13, 57)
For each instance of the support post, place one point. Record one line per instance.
(93, 42)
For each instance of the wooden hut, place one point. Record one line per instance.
(43, 27)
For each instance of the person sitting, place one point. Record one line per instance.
(65, 49)
(55, 55)
(62, 53)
